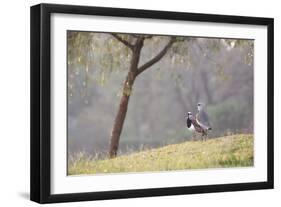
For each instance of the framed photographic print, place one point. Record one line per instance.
(133, 103)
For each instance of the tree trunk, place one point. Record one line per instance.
(123, 106)
(121, 115)
(118, 125)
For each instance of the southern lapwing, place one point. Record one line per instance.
(193, 126)
(203, 120)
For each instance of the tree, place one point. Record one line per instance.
(133, 73)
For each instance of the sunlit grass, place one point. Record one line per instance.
(229, 151)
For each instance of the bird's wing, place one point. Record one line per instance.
(196, 125)
(203, 120)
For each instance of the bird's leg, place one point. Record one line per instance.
(205, 135)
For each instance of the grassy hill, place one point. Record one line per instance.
(229, 151)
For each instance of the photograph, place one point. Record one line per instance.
(144, 103)
(129, 103)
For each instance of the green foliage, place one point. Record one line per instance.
(229, 117)
(179, 52)
(243, 44)
(96, 55)
(230, 151)
(214, 45)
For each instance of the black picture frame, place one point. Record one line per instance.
(41, 102)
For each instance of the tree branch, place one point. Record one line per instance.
(125, 42)
(157, 57)
(148, 36)
(141, 35)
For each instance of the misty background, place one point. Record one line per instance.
(217, 72)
